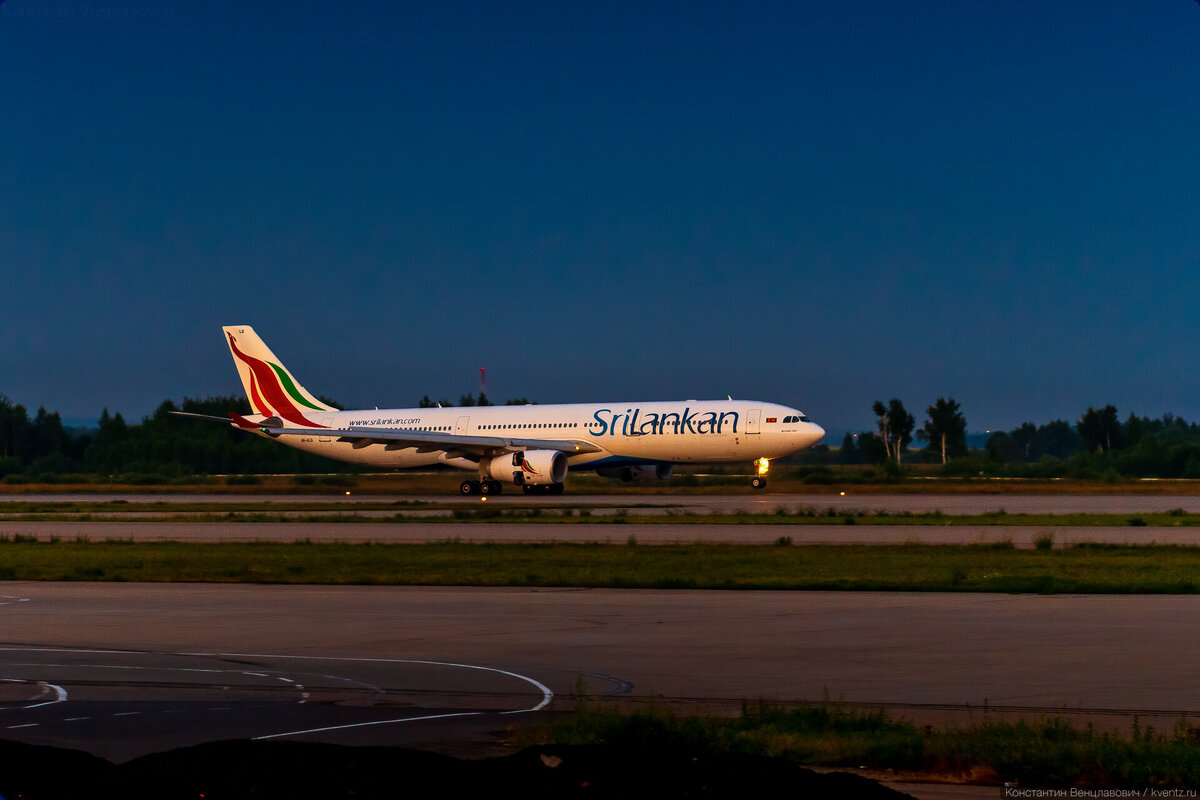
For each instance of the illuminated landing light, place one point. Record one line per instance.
(483, 499)
(347, 494)
(843, 494)
(762, 465)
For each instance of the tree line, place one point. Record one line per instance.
(1099, 444)
(161, 446)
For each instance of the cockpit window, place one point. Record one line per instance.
(802, 418)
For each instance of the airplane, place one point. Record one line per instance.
(530, 446)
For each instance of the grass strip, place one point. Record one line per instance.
(650, 515)
(1101, 569)
(1046, 752)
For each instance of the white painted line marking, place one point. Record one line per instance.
(26, 725)
(75, 719)
(126, 713)
(60, 695)
(367, 724)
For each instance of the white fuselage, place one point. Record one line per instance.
(680, 432)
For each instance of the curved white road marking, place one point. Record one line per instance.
(547, 694)
(60, 695)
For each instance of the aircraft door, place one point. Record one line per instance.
(752, 418)
(460, 427)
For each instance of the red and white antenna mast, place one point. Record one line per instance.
(482, 379)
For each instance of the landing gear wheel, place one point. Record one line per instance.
(490, 487)
(555, 488)
(758, 482)
(527, 489)
(469, 487)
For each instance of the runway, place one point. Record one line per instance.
(142, 667)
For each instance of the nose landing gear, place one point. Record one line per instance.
(759, 481)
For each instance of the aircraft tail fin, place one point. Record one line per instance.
(271, 388)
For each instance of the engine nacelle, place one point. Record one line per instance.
(529, 467)
(639, 473)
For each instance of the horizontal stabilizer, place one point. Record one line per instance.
(200, 416)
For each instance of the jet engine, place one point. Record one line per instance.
(639, 473)
(529, 467)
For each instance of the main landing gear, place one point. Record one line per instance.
(543, 488)
(759, 481)
(496, 487)
(481, 487)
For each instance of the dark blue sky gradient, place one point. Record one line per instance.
(819, 204)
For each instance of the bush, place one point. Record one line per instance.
(143, 479)
(338, 480)
(819, 476)
(242, 480)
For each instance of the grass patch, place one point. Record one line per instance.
(533, 513)
(1046, 752)
(914, 567)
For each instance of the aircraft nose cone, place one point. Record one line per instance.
(813, 432)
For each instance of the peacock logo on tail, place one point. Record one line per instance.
(272, 390)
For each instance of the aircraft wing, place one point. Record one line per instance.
(429, 441)
(399, 438)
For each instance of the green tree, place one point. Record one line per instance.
(1099, 429)
(945, 429)
(14, 428)
(1135, 428)
(1001, 448)
(483, 400)
(872, 447)
(849, 453)
(1024, 438)
(466, 400)
(895, 427)
(1056, 439)
(48, 440)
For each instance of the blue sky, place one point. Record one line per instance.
(819, 204)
